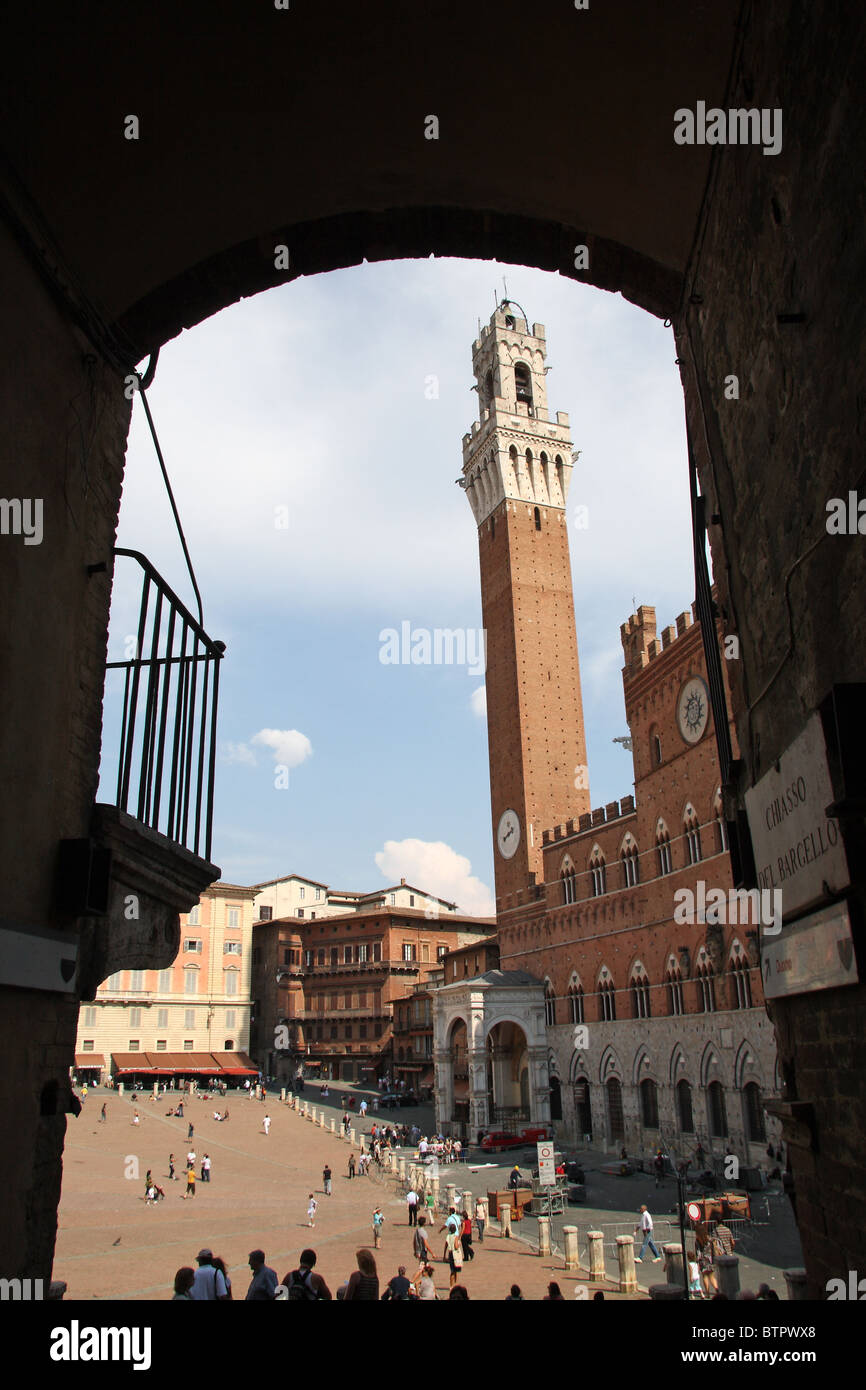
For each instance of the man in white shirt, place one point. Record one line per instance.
(208, 1283)
(646, 1226)
(412, 1204)
(422, 1148)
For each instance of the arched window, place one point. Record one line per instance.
(537, 515)
(607, 1000)
(630, 864)
(583, 1107)
(523, 382)
(716, 1113)
(663, 849)
(567, 879)
(674, 982)
(706, 985)
(549, 1003)
(649, 1104)
(692, 832)
(575, 1003)
(598, 873)
(640, 993)
(741, 972)
(684, 1107)
(555, 1098)
(754, 1113)
(614, 1110)
(488, 389)
(229, 1045)
(655, 747)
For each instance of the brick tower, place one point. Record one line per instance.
(516, 472)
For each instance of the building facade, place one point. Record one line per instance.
(325, 990)
(185, 1020)
(652, 1015)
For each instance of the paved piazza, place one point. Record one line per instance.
(111, 1245)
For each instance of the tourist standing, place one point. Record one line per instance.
(412, 1204)
(209, 1283)
(480, 1218)
(351, 1165)
(312, 1208)
(266, 1124)
(190, 1183)
(264, 1281)
(378, 1223)
(205, 1168)
(103, 1114)
(326, 1180)
(171, 1173)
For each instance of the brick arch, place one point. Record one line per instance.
(641, 1072)
(711, 1066)
(678, 1066)
(747, 1066)
(609, 1065)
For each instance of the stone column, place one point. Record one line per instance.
(595, 1241)
(727, 1269)
(505, 1220)
(539, 1085)
(674, 1271)
(796, 1282)
(444, 1088)
(625, 1257)
(569, 1236)
(544, 1235)
(401, 1169)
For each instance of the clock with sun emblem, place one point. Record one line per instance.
(508, 833)
(693, 709)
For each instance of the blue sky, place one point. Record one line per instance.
(314, 470)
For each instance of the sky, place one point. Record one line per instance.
(313, 436)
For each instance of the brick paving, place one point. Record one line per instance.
(111, 1245)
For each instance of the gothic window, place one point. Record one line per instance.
(537, 515)
(488, 390)
(630, 865)
(706, 987)
(607, 1001)
(568, 884)
(674, 982)
(549, 1004)
(649, 1104)
(614, 1110)
(640, 995)
(716, 1110)
(692, 832)
(598, 873)
(663, 849)
(755, 1131)
(523, 382)
(741, 973)
(575, 1003)
(655, 748)
(684, 1107)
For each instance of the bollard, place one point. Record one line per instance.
(401, 1169)
(674, 1272)
(505, 1221)
(569, 1236)
(595, 1241)
(434, 1188)
(797, 1286)
(333, 1125)
(544, 1235)
(727, 1269)
(666, 1293)
(322, 1119)
(412, 1175)
(625, 1256)
(282, 1093)
(451, 1194)
(354, 1139)
(467, 1204)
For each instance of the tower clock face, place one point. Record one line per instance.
(693, 709)
(508, 833)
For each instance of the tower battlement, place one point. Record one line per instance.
(640, 644)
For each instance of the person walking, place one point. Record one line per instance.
(378, 1223)
(421, 1244)
(264, 1281)
(205, 1168)
(135, 1118)
(103, 1116)
(190, 1183)
(326, 1180)
(351, 1165)
(454, 1251)
(480, 1218)
(659, 1166)
(266, 1124)
(412, 1204)
(646, 1226)
(171, 1173)
(190, 1159)
(312, 1208)
(466, 1237)
(190, 1132)
(362, 1109)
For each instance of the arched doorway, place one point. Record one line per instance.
(508, 1073)
(459, 1054)
(615, 1117)
(582, 1108)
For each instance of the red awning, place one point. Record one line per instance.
(83, 1060)
(131, 1061)
(235, 1062)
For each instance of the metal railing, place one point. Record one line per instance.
(165, 774)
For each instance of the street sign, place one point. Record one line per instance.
(695, 1212)
(546, 1163)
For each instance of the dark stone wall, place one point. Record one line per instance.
(783, 236)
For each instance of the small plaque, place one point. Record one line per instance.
(814, 953)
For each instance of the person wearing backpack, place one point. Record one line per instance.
(303, 1285)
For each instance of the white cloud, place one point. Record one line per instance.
(439, 869)
(289, 747)
(479, 702)
(237, 753)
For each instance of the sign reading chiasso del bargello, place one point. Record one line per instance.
(798, 847)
